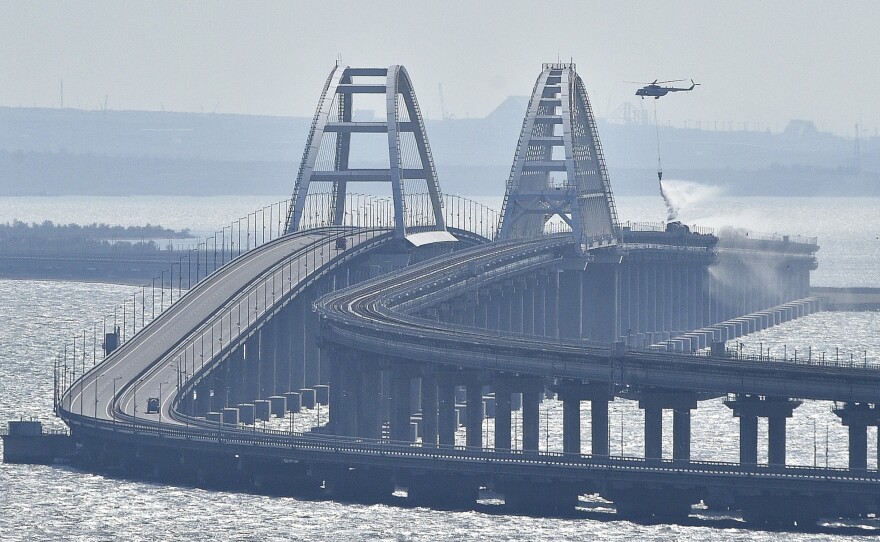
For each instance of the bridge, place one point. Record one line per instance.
(406, 314)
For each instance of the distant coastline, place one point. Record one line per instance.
(74, 152)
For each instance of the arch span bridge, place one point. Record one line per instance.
(410, 319)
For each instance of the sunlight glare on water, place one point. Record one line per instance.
(60, 503)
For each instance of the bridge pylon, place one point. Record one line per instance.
(325, 166)
(559, 167)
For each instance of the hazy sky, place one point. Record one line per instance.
(758, 61)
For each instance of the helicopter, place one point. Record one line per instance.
(656, 90)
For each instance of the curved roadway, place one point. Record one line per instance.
(374, 315)
(200, 327)
(380, 317)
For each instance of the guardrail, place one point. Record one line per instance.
(434, 457)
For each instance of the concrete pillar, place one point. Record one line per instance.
(748, 440)
(551, 305)
(311, 356)
(531, 401)
(776, 409)
(400, 406)
(369, 400)
(681, 434)
(539, 289)
(571, 425)
(505, 307)
(502, 415)
(528, 308)
(296, 329)
(570, 297)
(446, 413)
(493, 312)
(653, 432)
(857, 417)
(776, 439)
(858, 446)
(474, 422)
(599, 426)
(481, 312)
(653, 401)
(429, 410)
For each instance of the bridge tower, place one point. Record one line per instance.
(325, 173)
(559, 168)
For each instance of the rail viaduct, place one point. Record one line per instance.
(407, 318)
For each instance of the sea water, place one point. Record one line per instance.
(61, 503)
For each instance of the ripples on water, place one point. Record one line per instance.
(59, 503)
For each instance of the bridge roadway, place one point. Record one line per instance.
(379, 317)
(107, 402)
(200, 328)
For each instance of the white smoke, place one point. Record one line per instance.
(680, 196)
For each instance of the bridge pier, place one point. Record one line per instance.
(653, 402)
(531, 403)
(551, 305)
(570, 303)
(446, 425)
(531, 389)
(527, 305)
(748, 408)
(857, 417)
(571, 393)
(369, 400)
(474, 422)
(430, 414)
(401, 407)
(503, 389)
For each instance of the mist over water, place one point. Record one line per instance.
(59, 503)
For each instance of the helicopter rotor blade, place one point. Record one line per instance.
(672, 81)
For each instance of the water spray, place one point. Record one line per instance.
(671, 209)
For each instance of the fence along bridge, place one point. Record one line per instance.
(402, 314)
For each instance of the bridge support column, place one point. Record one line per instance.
(551, 305)
(506, 307)
(531, 403)
(493, 311)
(599, 425)
(748, 408)
(571, 425)
(369, 400)
(539, 290)
(296, 329)
(748, 439)
(446, 415)
(481, 311)
(571, 393)
(527, 297)
(776, 439)
(429, 410)
(681, 434)
(569, 320)
(653, 432)
(400, 405)
(653, 401)
(474, 414)
(502, 414)
(857, 417)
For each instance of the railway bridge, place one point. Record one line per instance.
(410, 317)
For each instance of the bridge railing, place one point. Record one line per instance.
(273, 440)
(131, 315)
